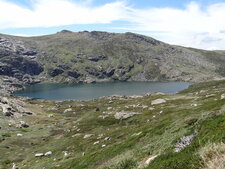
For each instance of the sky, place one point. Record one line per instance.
(198, 23)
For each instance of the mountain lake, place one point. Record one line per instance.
(97, 90)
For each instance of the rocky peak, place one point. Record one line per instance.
(65, 31)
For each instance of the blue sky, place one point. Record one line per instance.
(198, 23)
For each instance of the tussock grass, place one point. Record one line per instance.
(213, 156)
(126, 163)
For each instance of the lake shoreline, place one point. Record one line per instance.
(84, 91)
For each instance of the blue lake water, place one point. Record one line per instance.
(96, 90)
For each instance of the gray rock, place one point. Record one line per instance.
(147, 162)
(23, 125)
(124, 115)
(73, 74)
(223, 96)
(27, 113)
(19, 135)
(14, 166)
(56, 72)
(68, 110)
(89, 135)
(48, 153)
(107, 139)
(184, 142)
(158, 101)
(39, 155)
(97, 142)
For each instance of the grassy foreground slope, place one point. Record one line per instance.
(86, 134)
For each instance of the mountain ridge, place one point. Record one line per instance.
(74, 57)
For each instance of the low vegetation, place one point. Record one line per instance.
(86, 134)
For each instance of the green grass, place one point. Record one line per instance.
(133, 140)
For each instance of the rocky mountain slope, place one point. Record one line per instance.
(157, 131)
(100, 56)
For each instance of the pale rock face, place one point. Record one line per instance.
(184, 142)
(107, 139)
(150, 159)
(39, 155)
(97, 142)
(48, 153)
(194, 105)
(19, 135)
(68, 110)
(158, 101)
(109, 108)
(223, 96)
(124, 115)
(89, 135)
(14, 166)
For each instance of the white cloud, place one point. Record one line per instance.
(189, 27)
(48, 13)
(192, 26)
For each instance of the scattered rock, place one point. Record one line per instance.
(39, 155)
(100, 136)
(23, 125)
(109, 108)
(56, 72)
(103, 145)
(147, 162)
(19, 135)
(210, 95)
(124, 115)
(107, 139)
(97, 142)
(68, 110)
(97, 109)
(151, 108)
(137, 134)
(43, 154)
(50, 115)
(110, 102)
(144, 107)
(158, 101)
(89, 135)
(14, 166)
(48, 153)
(110, 72)
(184, 142)
(157, 94)
(27, 113)
(90, 80)
(73, 74)
(223, 96)
(6, 109)
(76, 135)
(8, 114)
(136, 96)
(194, 105)
(65, 153)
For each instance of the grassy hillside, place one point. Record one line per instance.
(184, 130)
(130, 56)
